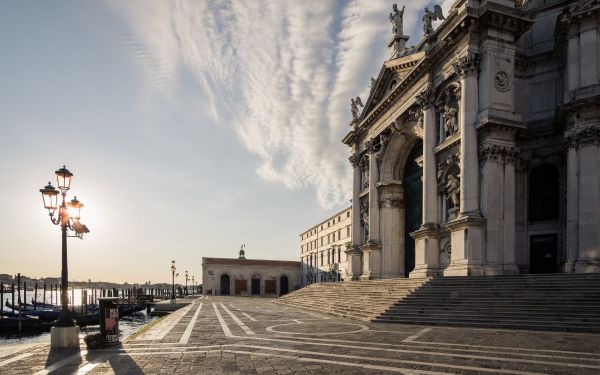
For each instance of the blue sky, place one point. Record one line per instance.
(191, 127)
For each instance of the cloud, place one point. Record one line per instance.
(281, 72)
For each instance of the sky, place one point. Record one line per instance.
(191, 127)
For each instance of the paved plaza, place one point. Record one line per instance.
(239, 335)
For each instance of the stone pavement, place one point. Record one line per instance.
(240, 335)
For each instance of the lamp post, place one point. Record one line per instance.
(186, 280)
(173, 269)
(193, 290)
(64, 333)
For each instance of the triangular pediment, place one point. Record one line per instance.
(391, 74)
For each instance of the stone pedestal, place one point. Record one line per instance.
(427, 251)
(354, 261)
(397, 44)
(466, 243)
(371, 261)
(64, 337)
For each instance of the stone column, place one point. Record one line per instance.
(427, 252)
(572, 208)
(354, 254)
(391, 200)
(467, 230)
(372, 249)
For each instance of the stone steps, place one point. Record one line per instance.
(555, 301)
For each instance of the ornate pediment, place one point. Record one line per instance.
(391, 74)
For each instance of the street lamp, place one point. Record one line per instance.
(186, 280)
(64, 332)
(173, 269)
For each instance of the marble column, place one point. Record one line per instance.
(391, 200)
(427, 251)
(467, 237)
(353, 253)
(572, 208)
(372, 249)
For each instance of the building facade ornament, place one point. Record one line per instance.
(390, 200)
(507, 154)
(354, 104)
(502, 81)
(364, 218)
(354, 160)
(453, 190)
(581, 136)
(429, 17)
(450, 116)
(467, 64)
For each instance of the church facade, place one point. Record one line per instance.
(477, 150)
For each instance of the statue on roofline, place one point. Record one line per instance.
(354, 103)
(430, 16)
(396, 20)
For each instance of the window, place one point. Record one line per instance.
(339, 234)
(322, 258)
(333, 236)
(328, 239)
(543, 193)
(339, 254)
(328, 224)
(333, 256)
(328, 257)
(348, 214)
(321, 241)
(348, 231)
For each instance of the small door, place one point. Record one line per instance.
(255, 286)
(543, 253)
(283, 285)
(225, 290)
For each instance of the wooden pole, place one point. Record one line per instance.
(44, 297)
(35, 297)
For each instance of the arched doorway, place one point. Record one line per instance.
(255, 285)
(413, 204)
(225, 290)
(284, 287)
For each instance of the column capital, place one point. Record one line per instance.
(467, 65)
(581, 136)
(354, 160)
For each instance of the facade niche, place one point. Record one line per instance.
(447, 105)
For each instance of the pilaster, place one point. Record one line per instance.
(391, 201)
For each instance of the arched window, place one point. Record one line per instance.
(543, 193)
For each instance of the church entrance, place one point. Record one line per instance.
(413, 204)
(543, 251)
(225, 291)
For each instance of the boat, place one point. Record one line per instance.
(27, 322)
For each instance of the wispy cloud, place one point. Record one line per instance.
(281, 72)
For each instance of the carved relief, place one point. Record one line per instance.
(580, 135)
(502, 81)
(467, 64)
(353, 159)
(506, 154)
(390, 200)
(364, 218)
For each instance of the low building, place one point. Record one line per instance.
(244, 277)
(322, 249)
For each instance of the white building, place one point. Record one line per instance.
(322, 249)
(477, 150)
(244, 277)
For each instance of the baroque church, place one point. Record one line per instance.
(477, 150)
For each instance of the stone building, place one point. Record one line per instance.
(229, 276)
(322, 249)
(477, 150)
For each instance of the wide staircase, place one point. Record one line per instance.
(539, 302)
(363, 300)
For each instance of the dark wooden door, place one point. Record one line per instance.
(225, 289)
(255, 286)
(543, 253)
(283, 285)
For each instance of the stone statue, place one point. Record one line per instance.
(450, 120)
(354, 103)
(453, 190)
(364, 218)
(396, 19)
(429, 17)
(373, 83)
(365, 177)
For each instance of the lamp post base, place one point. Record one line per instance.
(64, 337)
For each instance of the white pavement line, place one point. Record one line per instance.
(417, 335)
(15, 359)
(237, 320)
(188, 330)
(438, 354)
(224, 326)
(92, 365)
(507, 351)
(61, 363)
(249, 317)
(161, 335)
(383, 359)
